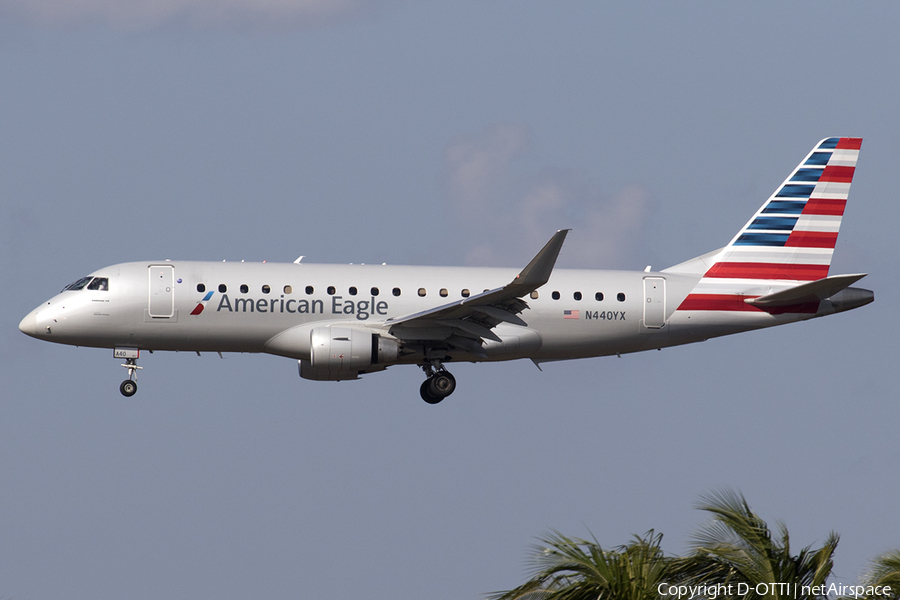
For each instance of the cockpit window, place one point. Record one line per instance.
(99, 283)
(92, 283)
(78, 285)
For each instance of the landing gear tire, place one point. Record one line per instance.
(426, 393)
(441, 384)
(128, 388)
(437, 387)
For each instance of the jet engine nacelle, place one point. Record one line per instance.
(341, 353)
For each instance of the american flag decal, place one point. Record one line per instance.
(570, 314)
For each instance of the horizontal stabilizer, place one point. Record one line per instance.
(814, 291)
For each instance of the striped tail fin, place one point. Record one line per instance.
(791, 238)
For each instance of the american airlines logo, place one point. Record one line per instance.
(202, 304)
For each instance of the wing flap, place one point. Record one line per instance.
(476, 329)
(467, 344)
(500, 315)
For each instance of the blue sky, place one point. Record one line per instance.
(441, 133)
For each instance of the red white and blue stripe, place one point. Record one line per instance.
(790, 240)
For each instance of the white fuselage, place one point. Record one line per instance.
(271, 307)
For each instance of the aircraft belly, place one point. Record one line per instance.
(184, 332)
(585, 338)
(235, 335)
(688, 326)
(516, 342)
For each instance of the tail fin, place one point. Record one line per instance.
(790, 239)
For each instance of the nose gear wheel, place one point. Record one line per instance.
(128, 388)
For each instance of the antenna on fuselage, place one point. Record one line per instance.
(299, 258)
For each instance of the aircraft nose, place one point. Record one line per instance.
(28, 325)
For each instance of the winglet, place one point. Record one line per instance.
(537, 272)
(477, 315)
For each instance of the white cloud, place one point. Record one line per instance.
(200, 14)
(478, 166)
(504, 219)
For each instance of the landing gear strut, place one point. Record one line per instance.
(129, 386)
(438, 385)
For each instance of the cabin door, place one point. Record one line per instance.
(654, 302)
(162, 291)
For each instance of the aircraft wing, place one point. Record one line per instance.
(466, 323)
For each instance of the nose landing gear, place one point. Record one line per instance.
(129, 386)
(439, 384)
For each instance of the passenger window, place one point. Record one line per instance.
(577, 295)
(201, 288)
(422, 292)
(244, 288)
(223, 288)
(288, 289)
(266, 289)
(534, 295)
(465, 293)
(395, 291)
(330, 290)
(555, 295)
(309, 290)
(99, 284)
(374, 291)
(444, 293)
(353, 290)
(598, 296)
(620, 297)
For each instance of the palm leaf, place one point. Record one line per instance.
(739, 547)
(564, 568)
(884, 571)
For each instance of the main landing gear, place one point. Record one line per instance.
(129, 386)
(438, 385)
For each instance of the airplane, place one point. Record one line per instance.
(342, 321)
